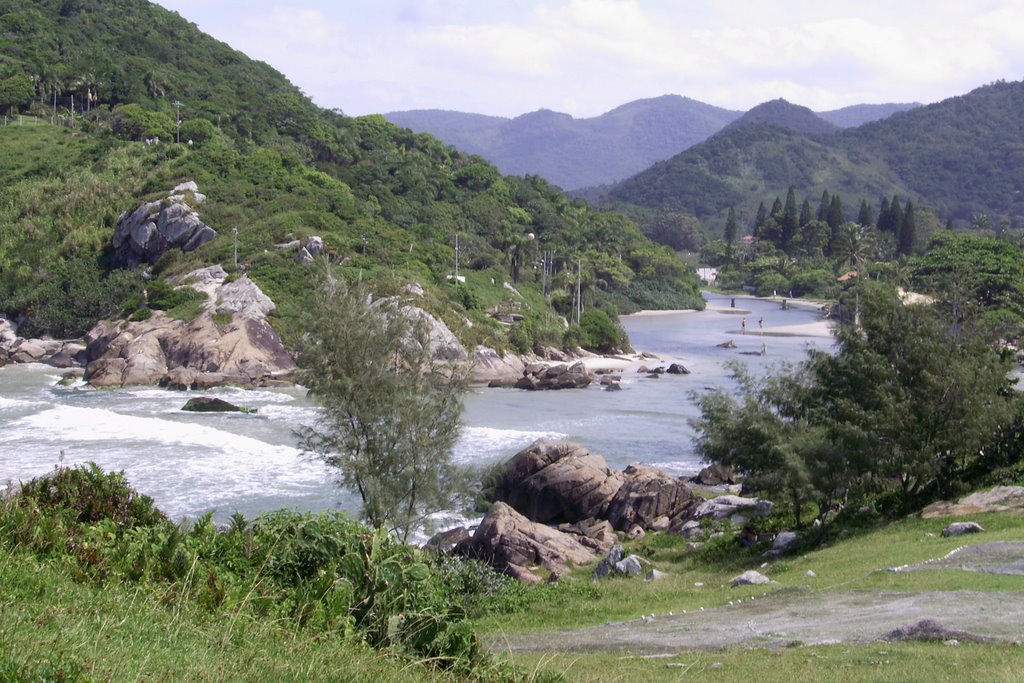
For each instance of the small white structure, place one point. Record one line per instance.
(708, 275)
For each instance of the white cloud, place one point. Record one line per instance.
(588, 56)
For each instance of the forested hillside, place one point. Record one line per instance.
(783, 114)
(961, 156)
(89, 80)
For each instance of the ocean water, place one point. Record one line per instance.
(193, 463)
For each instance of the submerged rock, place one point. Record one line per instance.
(208, 404)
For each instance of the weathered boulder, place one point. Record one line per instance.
(785, 540)
(553, 482)
(513, 544)
(443, 342)
(596, 534)
(608, 562)
(996, 499)
(33, 350)
(540, 377)
(717, 475)
(486, 366)
(647, 494)
(677, 369)
(961, 528)
(145, 233)
(750, 578)
(726, 507)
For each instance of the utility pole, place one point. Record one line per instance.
(177, 136)
(456, 259)
(234, 231)
(579, 290)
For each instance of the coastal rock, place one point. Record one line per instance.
(596, 534)
(446, 541)
(512, 544)
(152, 228)
(443, 342)
(487, 366)
(717, 475)
(677, 369)
(646, 495)
(244, 351)
(539, 377)
(33, 350)
(209, 404)
(553, 482)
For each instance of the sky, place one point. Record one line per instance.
(586, 57)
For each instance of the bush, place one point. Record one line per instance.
(771, 283)
(162, 297)
(600, 333)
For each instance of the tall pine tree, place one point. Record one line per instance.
(826, 201)
(908, 231)
(805, 213)
(730, 231)
(865, 216)
(790, 219)
(895, 221)
(835, 216)
(883, 216)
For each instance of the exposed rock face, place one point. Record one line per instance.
(513, 544)
(195, 355)
(750, 578)
(552, 482)
(961, 528)
(733, 507)
(649, 498)
(444, 344)
(210, 404)
(997, 499)
(717, 475)
(488, 367)
(15, 349)
(143, 235)
(561, 376)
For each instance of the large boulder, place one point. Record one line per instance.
(553, 482)
(152, 228)
(487, 367)
(539, 377)
(197, 354)
(651, 499)
(510, 543)
(737, 508)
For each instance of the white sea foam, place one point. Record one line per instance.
(11, 403)
(478, 444)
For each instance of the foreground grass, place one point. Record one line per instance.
(53, 628)
(855, 561)
(925, 662)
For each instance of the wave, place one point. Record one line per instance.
(485, 443)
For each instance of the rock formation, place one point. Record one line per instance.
(197, 354)
(144, 234)
(512, 544)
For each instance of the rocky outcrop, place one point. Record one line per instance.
(444, 344)
(58, 353)
(540, 377)
(717, 475)
(211, 404)
(144, 234)
(553, 482)
(487, 367)
(961, 528)
(750, 578)
(735, 508)
(511, 543)
(197, 354)
(650, 499)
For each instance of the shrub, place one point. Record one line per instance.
(600, 333)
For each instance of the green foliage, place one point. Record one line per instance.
(389, 413)
(601, 333)
(321, 572)
(905, 407)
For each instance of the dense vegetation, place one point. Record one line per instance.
(321, 575)
(783, 114)
(960, 157)
(388, 203)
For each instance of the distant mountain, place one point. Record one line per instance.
(574, 153)
(783, 114)
(859, 114)
(962, 156)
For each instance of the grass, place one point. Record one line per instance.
(859, 561)
(52, 625)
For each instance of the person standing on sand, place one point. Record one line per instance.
(743, 325)
(760, 324)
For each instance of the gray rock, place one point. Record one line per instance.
(648, 494)
(629, 565)
(607, 564)
(724, 507)
(677, 369)
(690, 529)
(152, 228)
(303, 256)
(961, 528)
(445, 541)
(750, 578)
(785, 540)
(655, 575)
(209, 404)
(315, 246)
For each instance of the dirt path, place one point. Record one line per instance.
(791, 616)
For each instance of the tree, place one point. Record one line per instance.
(16, 91)
(805, 213)
(883, 216)
(865, 216)
(790, 222)
(389, 414)
(730, 232)
(908, 231)
(826, 202)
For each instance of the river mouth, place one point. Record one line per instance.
(195, 463)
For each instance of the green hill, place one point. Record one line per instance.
(783, 114)
(961, 156)
(387, 202)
